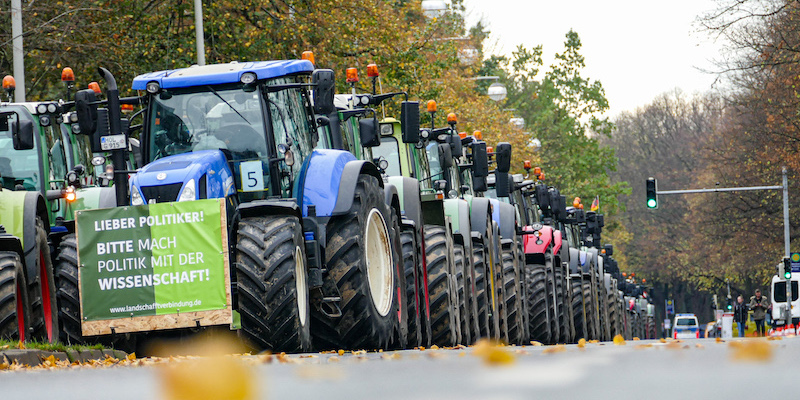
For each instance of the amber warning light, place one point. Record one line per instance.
(431, 106)
(308, 55)
(352, 75)
(9, 83)
(67, 75)
(372, 70)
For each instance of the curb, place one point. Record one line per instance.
(33, 357)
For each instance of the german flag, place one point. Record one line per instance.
(596, 204)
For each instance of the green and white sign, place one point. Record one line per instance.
(155, 260)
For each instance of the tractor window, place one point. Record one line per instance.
(81, 145)
(352, 138)
(291, 130)
(206, 118)
(434, 167)
(420, 162)
(17, 167)
(57, 160)
(390, 151)
(324, 141)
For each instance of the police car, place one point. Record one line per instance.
(685, 327)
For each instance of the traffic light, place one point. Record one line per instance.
(652, 197)
(787, 268)
(729, 304)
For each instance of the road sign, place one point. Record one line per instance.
(795, 261)
(667, 324)
(670, 306)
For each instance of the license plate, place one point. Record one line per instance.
(113, 142)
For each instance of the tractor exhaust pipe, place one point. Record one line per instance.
(115, 125)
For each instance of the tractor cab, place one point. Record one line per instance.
(240, 129)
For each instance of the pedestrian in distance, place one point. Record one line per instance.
(759, 304)
(740, 310)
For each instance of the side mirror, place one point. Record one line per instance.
(86, 109)
(21, 132)
(455, 146)
(501, 184)
(543, 198)
(502, 154)
(136, 149)
(445, 156)
(324, 90)
(561, 208)
(480, 160)
(102, 128)
(479, 184)
(409, 120)
(368, 130)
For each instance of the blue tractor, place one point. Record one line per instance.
(309, 229)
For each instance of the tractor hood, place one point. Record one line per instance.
(164, 180)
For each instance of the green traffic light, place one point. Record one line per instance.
(787, 274)
(651, 203)
(730, 306)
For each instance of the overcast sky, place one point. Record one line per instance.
(636, 49)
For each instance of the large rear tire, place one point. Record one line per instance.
(536, 280)
(463, 293)
(68, 294)
(414, 296)
(14, 305)
(511, 300)
(42, 290)
(482, 300)
(578, 310)
(561, 308)
(401, 300)
(271, 275)
(591, 326)
(611, 305)
(443, 316)
(552, 301)
(359, 261)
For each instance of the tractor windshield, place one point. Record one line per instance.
(17, 167)
(205, 118)
(390, 151)
(434, 166)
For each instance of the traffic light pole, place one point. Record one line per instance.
(786, 234)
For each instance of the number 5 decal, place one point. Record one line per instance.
(252, 174)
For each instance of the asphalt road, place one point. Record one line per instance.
(738, 368)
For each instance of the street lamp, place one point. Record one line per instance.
(497, 91)
(433, 8)
(535, 144)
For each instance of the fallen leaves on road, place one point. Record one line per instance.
(755, 350)
(774, 338)
(581, 343)
(619, 340)
(643, 346)
(535, 343)
(554, 349)
(719, 340)
(492, 353)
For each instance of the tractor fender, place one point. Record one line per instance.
(586, 262)
(557, 241)
(328, 181)
(459, 213)
(408, 194)
(258, 208)
(594, 265)
(480, 212)
(34, 206)
(506, 219)
(11, 243)
(537, 245)
(600, 268)
(574, 261)
(392, 199)
(92, 198)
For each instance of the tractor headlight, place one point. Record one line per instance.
(248, 78)
(136, 197)
(152, 87)
(189, 191)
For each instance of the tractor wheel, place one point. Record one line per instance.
(42, 291)
(591, 328)
(552, 302)
(14, 305)
(272, 282)
(536, 281)
(359, 261)
(561, 312)
(578, 310)
(482, 301)
(443, 317)
(523, 295)
(414, 296)
(511, 299)
(401, 301)
(68, 293)
(612, 315)
(463, 300)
